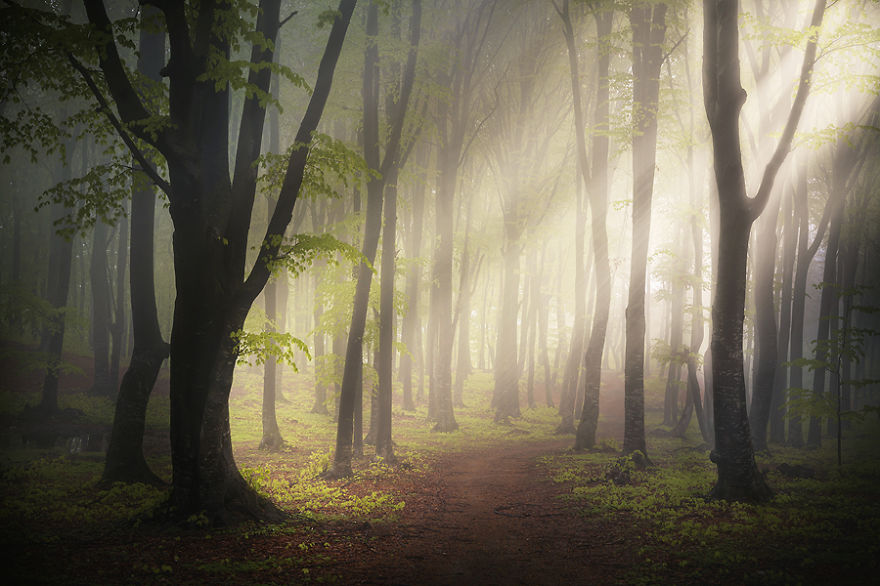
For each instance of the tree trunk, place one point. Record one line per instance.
(649, 29)
(117, 328)
(765, 327)
(828, 313)
(272, 439)
(351, 375)
(100, 285)
(738, 475)
(411, 334)
(125, 456)
(384, 445)
(780, 381)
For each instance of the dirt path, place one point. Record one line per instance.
(494, 518)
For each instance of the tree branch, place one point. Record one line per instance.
(139, 156)
(757, 204)
(296, 165)
(291, 15)
(128, 103)
(675, 46)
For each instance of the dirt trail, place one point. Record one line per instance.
(495, 518)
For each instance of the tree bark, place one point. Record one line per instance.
(738, 475)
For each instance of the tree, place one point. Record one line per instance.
(649, 30)
(382, 168)
(125, 457)
(211, 212)
(396, 113)
(738, 475)
(467, 41)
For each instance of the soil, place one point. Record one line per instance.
(493, 517)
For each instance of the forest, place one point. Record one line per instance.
(440, 291)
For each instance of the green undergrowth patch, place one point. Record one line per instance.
(820, 527)
(300, 489)
(50, 496)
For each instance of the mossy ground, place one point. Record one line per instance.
(61, 528)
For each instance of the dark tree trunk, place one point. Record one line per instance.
(598, 183)
(649, 29)
(390, 169)
(52, 338)
(117, 328)
(125, 457)
(385, 363)
(100, 285)
(738, 475)
(440, 347)
(828, 312)
(211, 212)
(320, 355)
(351, 375)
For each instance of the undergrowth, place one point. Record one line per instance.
(815, 530)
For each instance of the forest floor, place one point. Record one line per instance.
(493, 517)
(487, 504)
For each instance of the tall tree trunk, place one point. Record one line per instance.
(351, 375)
(57, 287)
(100, 285)
(543, 318)
(649, 30)
(765, 327)
(321, 357)
(117, 328)
(532, 325)
(598, 183)
(390, 170)
(440, 347)
(272, 439)
(738, 475)
(828, 312)
(411, 334)
(125, 456)
(780, 380)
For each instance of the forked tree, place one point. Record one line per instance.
(724, 96)
(210, 206)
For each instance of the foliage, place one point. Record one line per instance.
(304, 492)
(298, 252)
(331, 164)
(261, 346)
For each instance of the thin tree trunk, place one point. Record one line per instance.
(649, 29)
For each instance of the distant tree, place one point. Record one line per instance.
(648, 22)
(383, 168)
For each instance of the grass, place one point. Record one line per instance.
(815, 530)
